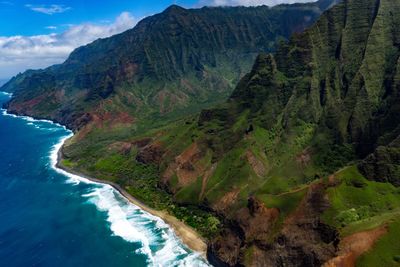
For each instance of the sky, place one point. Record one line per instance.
(39, 33)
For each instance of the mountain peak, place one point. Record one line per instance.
(174, 9)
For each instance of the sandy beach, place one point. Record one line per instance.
(186, 233)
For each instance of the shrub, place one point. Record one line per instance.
(348, 216)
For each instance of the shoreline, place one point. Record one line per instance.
(184, 232)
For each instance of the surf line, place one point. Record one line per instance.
(174, 249)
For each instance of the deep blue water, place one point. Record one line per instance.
(48, 218)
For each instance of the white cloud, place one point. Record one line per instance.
(18, 53)
(249, 2)
(51, 27)
(48, 9)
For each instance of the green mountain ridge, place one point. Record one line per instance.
(177, 61)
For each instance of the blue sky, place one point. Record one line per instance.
(39, 33)
(24, 17)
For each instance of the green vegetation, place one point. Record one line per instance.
(358, 204)
(334, 157)
(67, 163)
(386, 250)
(286, 202)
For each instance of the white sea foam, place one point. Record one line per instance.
(158, 241)
(6, 94)
(72, 178)
(30, 119)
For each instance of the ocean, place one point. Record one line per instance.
(51, 218)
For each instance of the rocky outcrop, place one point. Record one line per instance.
(257, 222)
(253, 224)
(225, 249)
(150, 154)
(302, 240)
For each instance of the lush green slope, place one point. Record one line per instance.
(328, 97)
(170, 63)
(261, 161)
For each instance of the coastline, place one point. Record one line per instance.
(185, 233)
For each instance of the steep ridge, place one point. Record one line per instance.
(339, 80)
(325, 100)
(179, 60)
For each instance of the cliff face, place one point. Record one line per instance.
(340, 78)
(325, 99)
(179, 60)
